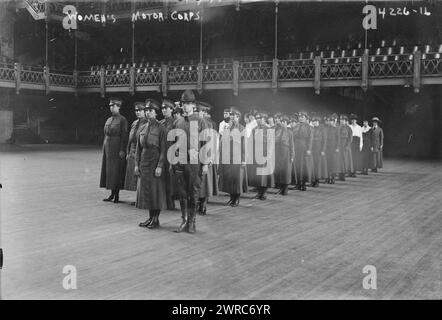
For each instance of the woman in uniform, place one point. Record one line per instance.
(113, 164)
(150, 161)
(130, 181)
(233, 175)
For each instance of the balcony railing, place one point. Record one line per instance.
(410, 68)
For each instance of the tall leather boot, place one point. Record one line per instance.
(148, 221)
(111, 197)
(192, 218)
(284, 189)
(184, 204)
(117, 196)
(155, 221)
(341, 177)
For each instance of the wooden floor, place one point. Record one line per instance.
(307, 245)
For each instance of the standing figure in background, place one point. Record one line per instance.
(366, 152)
(376, 145)
(150, 165)
(233, 174)
(284, 153)
(303, 140)
(167, 107)
(209, 181)
(261, 181)
(113, 165)
(225, 123)
(319, 152)
(356, 145)
(131, 179)
(332, 148)
(345, 138)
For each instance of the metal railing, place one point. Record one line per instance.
(278, 71)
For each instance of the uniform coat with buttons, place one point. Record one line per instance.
(345, 156)
(303, 141)
(113, 167)
(233, 176)
(319, 146)
(151, 154)
(284, 152)
(130, 181)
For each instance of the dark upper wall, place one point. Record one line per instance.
(226, 32)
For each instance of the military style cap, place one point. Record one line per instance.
(333, 116)
(188, 96)
(227, 110)
(302, 114)
(376, 119)
(139, 105)
(343, 117)
(316, 118)
(285, 118)
(235, 111)
(166, 103)
(114, 100)
(203, 106)
(152, 104)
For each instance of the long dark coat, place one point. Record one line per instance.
(284, 152)
(333, 157)
(319, 145)
(377, 143)
(366, 153)
(209, 181)
(115, 140)
(303, 141)
(345, 158)
(150, 154)
(170, 193)
(187, 177)
(233, 176)
(130, 181)
(256, 180)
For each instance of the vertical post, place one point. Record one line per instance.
(275, 75)
(201, 34)
(164, 72)
(317, 82)
(75, 51)
(276, 29)
(200, 69)
(46, 78)
(102, 82)
(75, 76)
(417, 71)
(364, 72)
(132, 80)
(17, 72)
(235, 79)
(46, 33)
(133, 32)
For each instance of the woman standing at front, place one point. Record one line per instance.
(114, 155)
(150, 163)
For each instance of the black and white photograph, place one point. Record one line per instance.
(240, 151)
